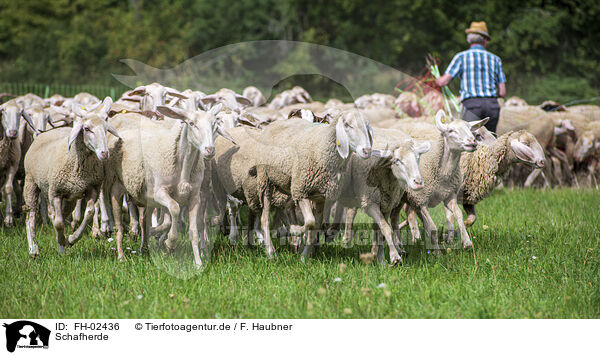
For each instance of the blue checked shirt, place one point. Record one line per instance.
(480, 72)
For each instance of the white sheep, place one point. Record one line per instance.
(377, 184)
(164, 169)
(66, 164)
(254, 95)
(441, 171)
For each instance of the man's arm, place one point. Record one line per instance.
(501, 89)
(443, 80)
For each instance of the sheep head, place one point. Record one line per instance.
(353, 133)
(458, 134)
(203, 126)
(587, 144)
(11, 118)
(154, 95)
(93, 127)
(403, 158)
(526, 149)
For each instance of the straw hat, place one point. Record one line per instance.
(479, 28)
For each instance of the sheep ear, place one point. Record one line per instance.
(173, 112)
(522, 151)
(439, 117)
(110, 129)
(106, 105)
(28, 119)
(209, 99)
(215, 109)
(422, 147)
(225, 134)
(342, 144)
(176, 94)
(242, 100)
(77, 126)
(477, 124)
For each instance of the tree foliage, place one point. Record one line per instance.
(549, 48)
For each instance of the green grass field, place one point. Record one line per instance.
(537, 256)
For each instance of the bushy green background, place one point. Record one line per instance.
(549, 48)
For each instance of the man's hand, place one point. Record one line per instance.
(443, 80)
(502, 90)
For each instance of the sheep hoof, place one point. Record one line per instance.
(34, 251)
(8, 221)
(61, 249)
(271, 254)
(122, 258)
(468, 245)
(395, 261)
(296, 230)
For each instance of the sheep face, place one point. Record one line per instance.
(562, 127)
(11, 118)
(484, 137)
(154, 95)
(93, 126)
(39, 117)
(458, 134)
(202, 127)
(586, 145)
(527, 149)
(354, 133)
(405, 162)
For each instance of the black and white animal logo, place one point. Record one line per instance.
(26, 334)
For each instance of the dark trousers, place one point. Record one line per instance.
(478, 108)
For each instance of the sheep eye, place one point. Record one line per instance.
(192, 124)
(87, 129)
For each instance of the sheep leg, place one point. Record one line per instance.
(377, 249)
(44, 210)
(334, 227)
(162, 196)
(350, 214)
(471, 214)
(89, 210)
(232, 213)
(265, 224)
(532, 176)
(76, 215)
(10, 194)
(452, 204)
(193, 229)
(59, 224)
(32, 197)
(374, 212)
(430, 228)
(95, 221)
(309, 219)
(115, 196)
(309, 222)
(145, 219)
(394, 217)
(134, 218)
(411, 218)
(251, 223)
(450, 221)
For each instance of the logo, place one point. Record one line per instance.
(26, 334)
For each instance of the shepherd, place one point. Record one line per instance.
(482, 78)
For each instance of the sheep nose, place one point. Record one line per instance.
(418, 183)
(366, 152)
(540, 163)
(210, 151)
(104, 154)
(12, 133)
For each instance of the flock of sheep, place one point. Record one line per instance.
(164, 160)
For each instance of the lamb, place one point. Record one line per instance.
(295, 95)
(483, 169)
(66, 164)
(11, 148)
(151, 96)
(441, 171)
(377, 184)
(254, 95)
(306, 163)
(165, 169)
